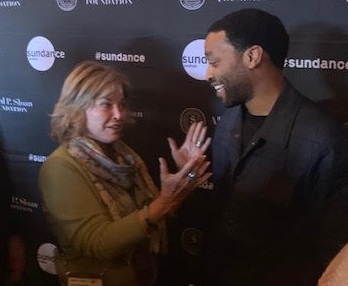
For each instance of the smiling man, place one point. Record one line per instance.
(278, 161)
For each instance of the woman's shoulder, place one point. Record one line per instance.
(60, 157)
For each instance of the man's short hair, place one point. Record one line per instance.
(247, 27)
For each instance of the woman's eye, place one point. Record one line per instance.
(106, 102)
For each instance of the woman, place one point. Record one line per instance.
(99, 199)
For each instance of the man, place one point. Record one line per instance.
(278, 162)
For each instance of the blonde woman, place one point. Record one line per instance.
(107, 214)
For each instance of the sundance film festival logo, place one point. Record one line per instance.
(192, 4)
(41, 53)
(37, 158)
(192, 240)
(67, 5)
(194, 60)
(318, 63)
(189, 116)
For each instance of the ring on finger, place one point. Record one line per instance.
(191, 175)
(199, 143)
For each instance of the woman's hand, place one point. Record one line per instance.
(195, 144)
(175, 188)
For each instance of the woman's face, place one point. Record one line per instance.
(106, 117)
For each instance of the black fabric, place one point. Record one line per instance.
(5, 215)
(272, 197)
(251, 123)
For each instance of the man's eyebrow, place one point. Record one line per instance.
(207, 53)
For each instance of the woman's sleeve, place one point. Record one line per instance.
(78, 216)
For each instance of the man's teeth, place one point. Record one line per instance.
(218, 87)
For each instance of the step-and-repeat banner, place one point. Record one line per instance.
(159, 45)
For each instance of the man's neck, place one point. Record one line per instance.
(265, 94)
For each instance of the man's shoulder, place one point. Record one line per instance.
(314, 123)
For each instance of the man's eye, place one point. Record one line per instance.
(213, 63)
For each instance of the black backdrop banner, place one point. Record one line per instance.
(159, 45)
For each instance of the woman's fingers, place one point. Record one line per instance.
(190, 133)
(196, 133)
(199, 138)
(191, 165)
(197, 129)
(206, 144)
(176, 187)
(163, 167)
(172, 144)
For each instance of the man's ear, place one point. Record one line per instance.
(253, 56)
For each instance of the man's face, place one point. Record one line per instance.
(226, 71)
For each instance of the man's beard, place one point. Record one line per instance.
(237, 94)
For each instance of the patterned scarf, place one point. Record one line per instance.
(123, 182)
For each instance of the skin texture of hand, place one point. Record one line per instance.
(189, 149)
(175, 188)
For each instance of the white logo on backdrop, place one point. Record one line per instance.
(41, 54)
(22, 204)
(45, 258)
(15, 105)
(10, 3)
(67, 5)
(192, 4)
(318, 63)
(194, 60)
(109, 2)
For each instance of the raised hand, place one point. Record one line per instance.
(175, 188)
(195, 144)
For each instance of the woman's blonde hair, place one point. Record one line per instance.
(85, 83)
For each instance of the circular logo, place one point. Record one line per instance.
(67, 5)
(45, 258)
(189, 116)
(192, 4)
(191, 240)
(40, 53)
(194, 60)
